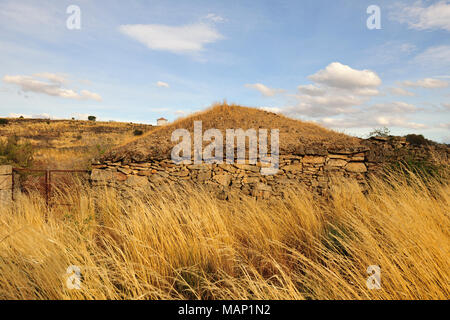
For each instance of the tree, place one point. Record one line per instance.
(92, 118)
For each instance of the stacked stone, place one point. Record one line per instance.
(313, 171)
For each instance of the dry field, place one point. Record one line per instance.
(69, 144)
(187, 244)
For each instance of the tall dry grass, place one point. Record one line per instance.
(188, 245)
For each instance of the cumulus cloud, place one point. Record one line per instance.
(420, 17)
(265, 91)
(162, 84)
(428, 83)
(363, 121)
(401, 92)
(337, 89)
(341, 76)
(329, 105)
(176, 39)
(311, 90)
(52, 87)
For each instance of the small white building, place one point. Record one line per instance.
(161, 121)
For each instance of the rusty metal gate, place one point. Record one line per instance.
(41, 181)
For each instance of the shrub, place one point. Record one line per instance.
(16, 153)
(417, 139)
(380, 132)
(4, 121)
(138, 132)
(92, 118)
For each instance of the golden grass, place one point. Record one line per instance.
(187, 244)
(69, 144)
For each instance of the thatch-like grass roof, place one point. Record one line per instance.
(296, 137)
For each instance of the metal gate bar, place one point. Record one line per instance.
(47, 179)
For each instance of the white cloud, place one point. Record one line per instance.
(85, 94)
(401, 92)
(271, 109)
(177, 39)
(394, 107)
(52, 77)
(428, 83)
(162, 84)
(265, 91)
(338, 89)
(51, 88)
(435, 16)
(180, 113)
(344, 77)
(311, 90)
(362, 121)
(18, 115)
(439, 55)
(215, 18)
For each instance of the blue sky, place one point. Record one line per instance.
(312, 60)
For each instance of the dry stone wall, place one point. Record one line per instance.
(312, 168)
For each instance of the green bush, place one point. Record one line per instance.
(92, 118)
(16, 153)
(417, 139)
(138, 132)
(4, 121)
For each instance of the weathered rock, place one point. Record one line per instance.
(120, 176)
(222, 179)
(250, 180)
(336, 162)
(101, 175)
(357, 167)
(124, 170)
(5, 169)
(313, 159)
(137, 181)
(203, 176)
(5, 182)
(296, 167)
(248, 167)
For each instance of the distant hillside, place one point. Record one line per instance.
(70, 143)
(293, 133)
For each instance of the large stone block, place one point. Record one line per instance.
(357, 167)
(223, 179)
(101, 175)
(6, 182)
(137, 181)
(296, 167)
(313, 159)
(5, 169)
(336, 162)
